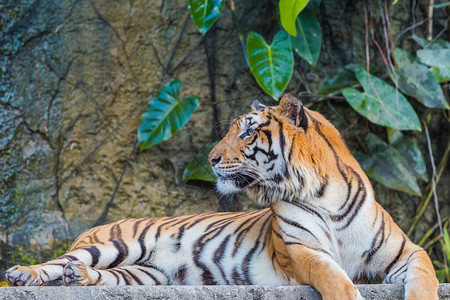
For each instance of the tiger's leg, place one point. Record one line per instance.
(37, 274)
(77, 273)
(321, 272)
(52, 270)
(413, 267)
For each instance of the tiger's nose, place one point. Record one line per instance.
(214, 160)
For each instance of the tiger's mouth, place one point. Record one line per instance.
(242, 180)
(233, 183)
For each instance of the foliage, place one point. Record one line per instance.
(308, 41)
(271, 65)
(381, 104)
(60, 251)
(416, 80)
(21, 258)
(442, 272)
(389, 166)
(204, 13)
(165, 115)
(289, 10)
(199, 168)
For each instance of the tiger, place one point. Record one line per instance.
(322, 226)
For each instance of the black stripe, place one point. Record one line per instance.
(133, 276)
(244, 232)
(373, 249)
(69, 257)
(142, 239)
(403, 266)
(135, 226)
(95, 254)
(124, 276)
(399, 254)
(119, 244)
(122, 254)
(115, 275)
(295, 224)
(157, 282)
(321, 191)
(218, 256)
(46, 274)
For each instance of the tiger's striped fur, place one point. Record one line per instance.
(323, 226)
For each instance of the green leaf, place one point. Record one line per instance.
(410, 151)
(388, 167)
(417, 81)
(435, 57)
(199, 168)
(307, 42)
(165, 115)
(421, 41)
(386, 107)
(338, 79)
(442, 74)
(289, 10)
(272, 65)
(441, 275)
(204, 13)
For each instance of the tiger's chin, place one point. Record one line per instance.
(233, 184)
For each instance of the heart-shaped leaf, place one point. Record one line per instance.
(271, 65)
(199, 168)
(388, 167)
(416, 80)
(289, 10)
(165, 115)
(381, 104)
(204, 13)
(307, 42)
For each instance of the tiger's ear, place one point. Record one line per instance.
(292, 108)
(256, 105)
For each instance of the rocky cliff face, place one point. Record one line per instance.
(75, 78)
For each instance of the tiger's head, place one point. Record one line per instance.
(278, 153)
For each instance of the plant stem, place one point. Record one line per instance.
(426, 199)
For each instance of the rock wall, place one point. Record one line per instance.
(75, 78)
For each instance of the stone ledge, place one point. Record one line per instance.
(368, 291)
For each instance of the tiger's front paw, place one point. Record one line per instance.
(23, 276)
(75, 273)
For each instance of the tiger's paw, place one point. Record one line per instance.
(23, 276)
(75, 273)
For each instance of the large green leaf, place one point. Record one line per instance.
(272, 65)
(204, 13)
(410, 151)
(388, 167)
(199, 168)
(435, 57)
(416, 80)
(307, 42)
(165, 115)
(385, 106)
(338, 79)
(289, 10)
